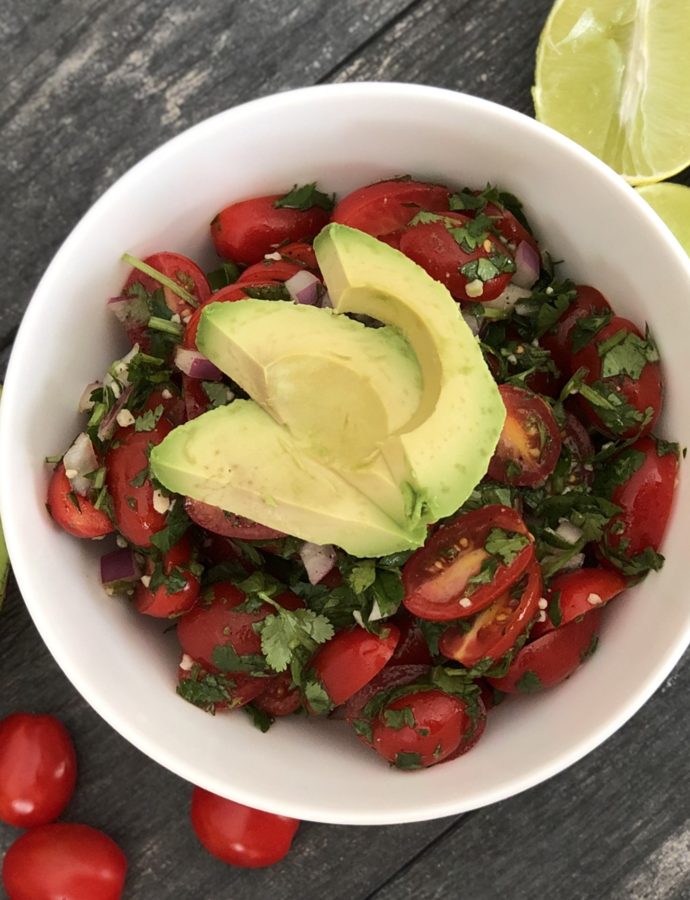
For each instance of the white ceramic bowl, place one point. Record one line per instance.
(344, 136)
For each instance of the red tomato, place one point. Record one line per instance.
(643, 394)
(217, 520)
(573, 594)
(229, 294)
(390, 676)
(432, 246)
(159, 603)
(422, 728)
(236, 688)
(438, 578)
(646, 499)
(512, 230)
(246, 231)
(281, 697)
(240, 835)
(551, 658)
(79, 516)
(196, 400)
(133, 509)
(495, 630)
(302, 253)
(64, 862)
(389, 205)
(588, 301)
(577, 449)
(38, 769)
(271, 270)
(412, 648)
(530, 442)
(351, 658)
(182, 270)
(170, 399)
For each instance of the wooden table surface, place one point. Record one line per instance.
(88, 88)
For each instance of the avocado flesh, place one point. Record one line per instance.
(443, 451)
(238, 458)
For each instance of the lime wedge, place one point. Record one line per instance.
(672, 203)
(614, 75)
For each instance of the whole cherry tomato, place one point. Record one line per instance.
(65, 861)
(387, 206)
(238, 834)
(72, 512)
(530, 442)
(169, 599)
(38, 769)
(270, 270)
(217, 520)
(412, 647)
(246, 231)
(467, 563)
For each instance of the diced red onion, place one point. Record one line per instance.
(508, 298)
(318, 560)
(79, 460)
(196, 365)
(120, 565)
(304, 287)
(576, 562)
(527, 265)
(106, 429)
(85, 401)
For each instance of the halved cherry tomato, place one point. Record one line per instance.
(412, 647)
(38, 769)
(574, 467)
(196, 400)
(182, 270)
(642, 394)
(62, 860)
(438, 578)
(72, 512)
(574, 594)
(169, 397)
(133, 509)
(421, 729)
(351, 658)
(387, 206)
(216, 622)
(246, 231)
(646, 500)
(530, 442)
(281, 697)
(496, 630)
(159, 603)
(432, 246)
(588, 301)
(240, 835)
(271, 270)
(551, 658)
(236, 689)
(217, 520)
(391, 676)
(506, 223)
(300, 252)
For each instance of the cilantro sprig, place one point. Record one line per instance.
(305, 196)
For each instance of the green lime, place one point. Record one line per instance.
(614, 75)
(672, 203)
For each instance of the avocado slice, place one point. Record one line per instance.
(239, 458)
(444, 449)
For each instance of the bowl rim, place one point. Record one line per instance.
(20, 548)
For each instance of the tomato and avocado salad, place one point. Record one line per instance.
(383, 464)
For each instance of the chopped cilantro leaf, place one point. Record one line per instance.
(148, 420)
(529, 683)
(304, 197)
(259, 717)
(664, 448)
(227, 274)
(399, 718)
(626, 353)
(176, 524)
(227, 659)
(267, 291)
(537, 314)
(219, 394)
(205, 690)
(289, 630)
(553, 610)
(505, 544)
(317, 698)
(617, 471)
(408, 760)
(364, 729)
(586, 327)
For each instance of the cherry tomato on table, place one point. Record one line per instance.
(64, 861)
(72, 512)
(443, 581)
(574, 594)
(246, 231)
(217, 520)
(387, 206)
(497, 628)
(530, 442)
(165, 600)
(238, 834)
(38, 769)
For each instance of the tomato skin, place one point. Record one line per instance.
(246, 231)
(182, 270)
(85, 522)
(280, 698)
(553, 657)
(159, 603)
(588, 301)
(412, 648)
(300, 252)
(443, 594)
(63, 860)
(124, 461)
(510, 228)
(240, 835)
(38, 769)
(271, 270)
(578, 593)
(576, 442)
(535, 450)
(642, 393)
(442, 726)
(434, 248)
(497, 628)
(646, 500)
(351, 658)
(391, 676)
(387, 206)
(214, 519)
